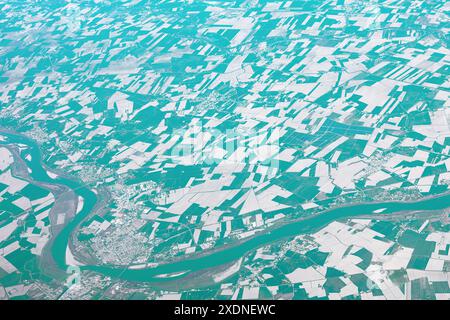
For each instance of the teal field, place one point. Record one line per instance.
(225, 149)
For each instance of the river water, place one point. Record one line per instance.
(220, 256)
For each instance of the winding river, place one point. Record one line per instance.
(217, 258)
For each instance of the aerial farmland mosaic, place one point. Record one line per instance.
(224, 149)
